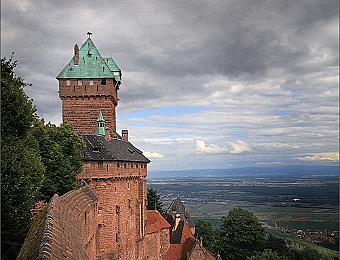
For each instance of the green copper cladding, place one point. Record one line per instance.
(90, 65)
(100, 124)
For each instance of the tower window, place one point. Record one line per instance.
(80, 82)
(103, 81)
(68, 82)
(100, 164)
(91, 82)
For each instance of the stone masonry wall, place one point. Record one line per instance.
(122, 206)
(81, 103)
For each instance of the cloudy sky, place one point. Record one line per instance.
(206, 84)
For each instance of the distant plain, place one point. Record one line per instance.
(299, 197)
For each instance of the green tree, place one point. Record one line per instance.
(276, 244)
(306, 253)
(240, 235)
(267, 254)
(21, 166)
(60, 149)
(154, 201)
(206, 230)
(17, 111)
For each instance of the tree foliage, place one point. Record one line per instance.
(21, 166)
(37, 160)
(306, 253)
(154, 202)
(206, 230)
(276, 244)
(17, 111)
(240, 235)
(59, 148)
(267, 254)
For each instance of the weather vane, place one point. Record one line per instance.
(89, 34)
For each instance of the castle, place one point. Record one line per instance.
(107, 217)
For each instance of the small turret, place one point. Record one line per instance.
(100, 124)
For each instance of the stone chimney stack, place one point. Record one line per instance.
(76, 55)
(107, 135)
(125, 135)
(177, 220)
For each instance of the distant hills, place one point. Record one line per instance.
(244, 171)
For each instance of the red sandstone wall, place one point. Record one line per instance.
(153, 242)
(108, 169)
(199, 253)
(157, 243)
(165, 240)
(81, 104)
(122, 206)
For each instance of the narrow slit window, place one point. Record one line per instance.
(100, 164)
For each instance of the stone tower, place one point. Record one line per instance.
(88, 84)
(113, 167)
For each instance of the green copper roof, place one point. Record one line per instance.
(91, 65)
(100, 124)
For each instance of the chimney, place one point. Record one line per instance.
(107, 134)
(125, 135)
(76, 55)
(201, 241)
(177, 220)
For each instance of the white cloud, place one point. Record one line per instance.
(204, 149)
(153, 155)
(332, 156)
(239, 147)
(234, 147)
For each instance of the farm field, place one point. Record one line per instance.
(304, 199)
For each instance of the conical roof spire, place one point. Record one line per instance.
(100, 124)
(88, 63)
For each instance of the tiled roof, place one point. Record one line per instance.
(177, 207)
(62, 233)
(186, 233)
(176, 235)
(182, 240)
(155, 222)
(188, 245)
(91, 65)
(99, 149)
(174, 252)
(179, 251)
